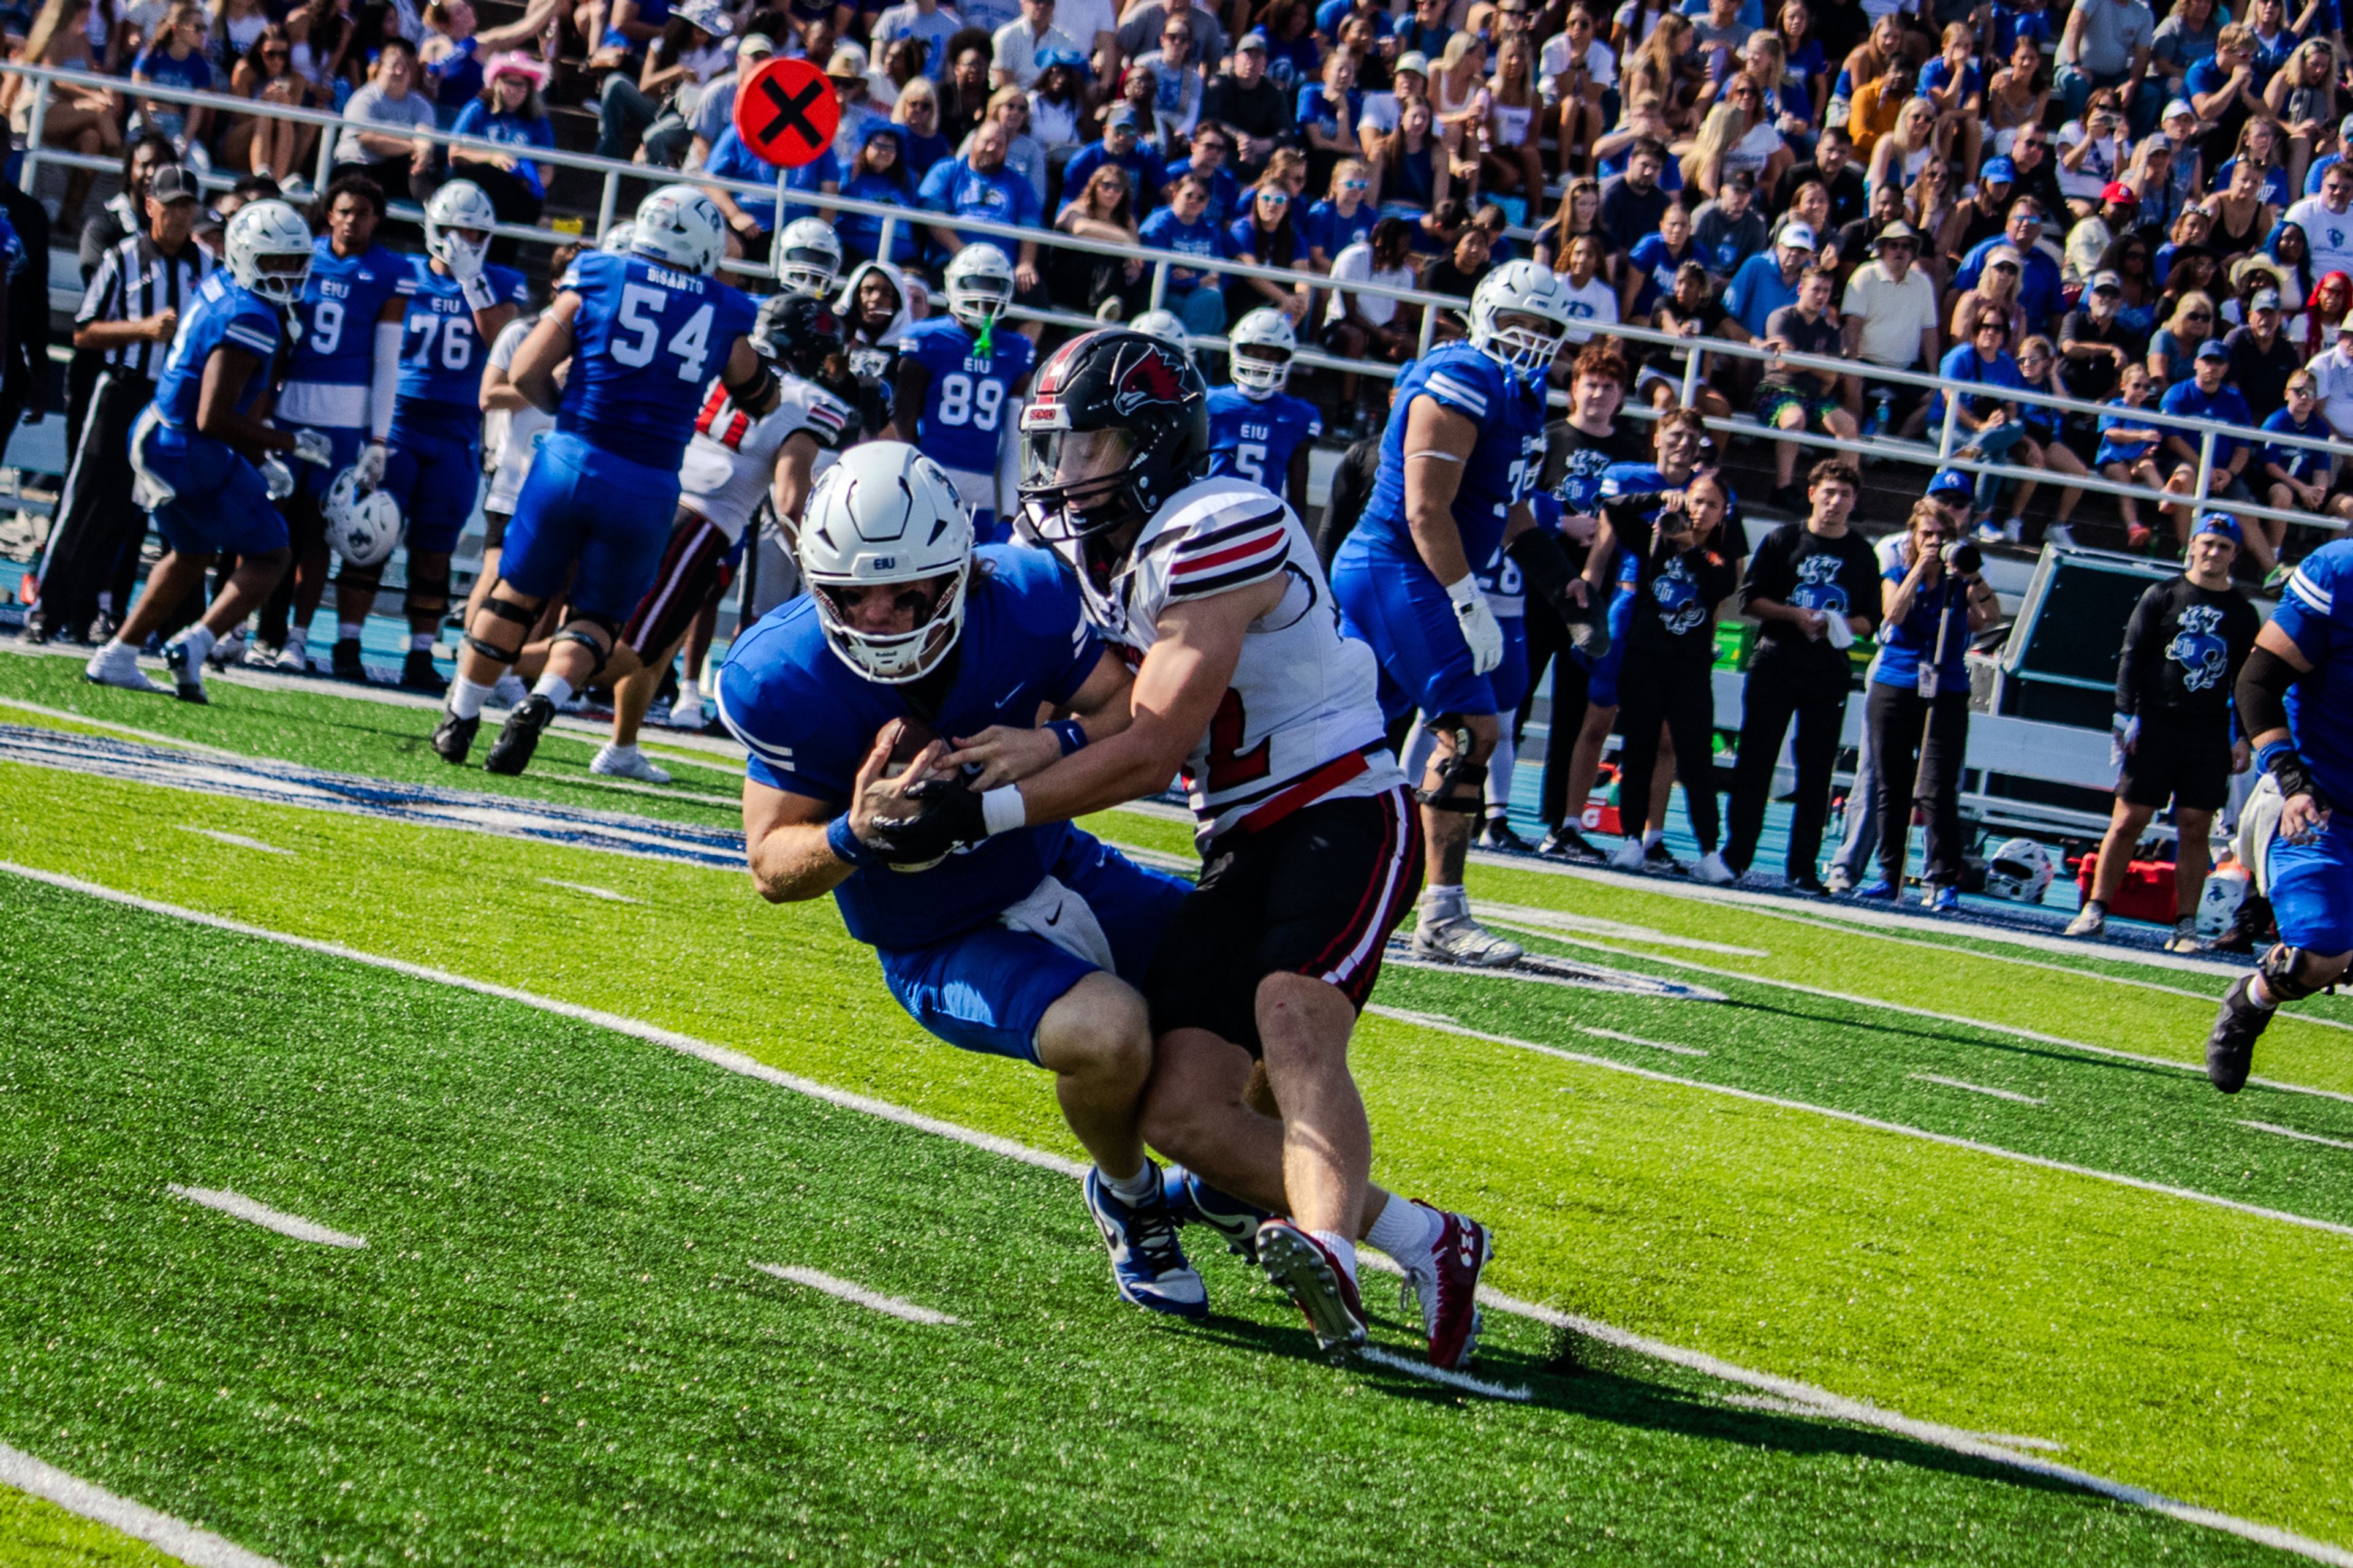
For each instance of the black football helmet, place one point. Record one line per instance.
(1118, 423)
(798, 333)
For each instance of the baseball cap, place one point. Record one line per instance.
(1801, 235)
(2264, 300)
(1741, 179)
(1413, 60)
(1253, 42)
(2118, 190)
(1122, 115)
(1952, 480)
(2220, 523)
(172, 183)
(2001, 253)
(1899, 229)
(2345, 327)
(847, 63)
(709, 16)
(2178, 106)
(1997, 172)
(2111, 282)
(2212, 349)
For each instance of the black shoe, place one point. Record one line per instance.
(346, 660)
(454, 737)
(1568, 843)
(35, 629)
(418, 673)
(2231, 1048)
(1810, 886)
(520, 736)
(1498, 835)
(1658, 858)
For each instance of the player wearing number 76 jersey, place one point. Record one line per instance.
(643, 332)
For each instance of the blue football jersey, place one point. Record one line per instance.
(221, 315)
(1500, 580)
(963, 411)
(2315, 610)
(646, 340)
(1503, 466)
(441, 351)
(808, 720)
(1255, 439)
(333, 360)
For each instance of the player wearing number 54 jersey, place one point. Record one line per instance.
(963, 374)
(1212, 590)
(643, 332)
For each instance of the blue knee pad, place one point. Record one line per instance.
(434, 469)
(607, 513)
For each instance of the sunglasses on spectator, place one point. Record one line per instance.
(1279, 198)
(2198, 316)
(1355, 184)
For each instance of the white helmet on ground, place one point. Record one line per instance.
(1527, 290)
(269, 250)
(808, 258)
(886, 513)
(2019, 869)
(1166, 326)
(679, 227)
(979, 284)
(1265, 369)
(2219, 901)
(362, 525)
(620, 238)
(461, 204)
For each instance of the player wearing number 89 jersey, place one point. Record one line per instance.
(963, 374)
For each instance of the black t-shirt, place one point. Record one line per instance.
(1444, 278)
(1849, 200)
(2260, 373)
(1574, 459)
(1675, 595)
(1818, 336)
(2183, 648)
(2095, 380)
(1263, 110)
(1626, 214)
(1798, 567)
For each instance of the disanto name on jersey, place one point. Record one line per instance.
(683, 283)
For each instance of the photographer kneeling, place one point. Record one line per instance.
(1918, 709)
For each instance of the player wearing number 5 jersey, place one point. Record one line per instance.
(963, 374)
(457, 306)
(643, 331)
(1257, 430)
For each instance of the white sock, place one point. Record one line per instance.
(1499, 775)
(1654, 838)
(420, 642)
(198, 640)
(467, 696)
(688, 695)
(347, 631)
(1419, 744)
(1406, 1231)
(1443, 903)
(1341, 1248)
(554, 687)
(1133, 1189)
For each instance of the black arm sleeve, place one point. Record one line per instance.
(1629, 518)
(2262, 692)
(1546, 567)
(2141, 638)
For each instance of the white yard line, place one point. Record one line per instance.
(607, 894)
(1977, 1089)
(2300, 1137)
(1832, 1405)
(172, 1537)
(1668, 1046)
(234, 841)
(1441, 1375)
(1448, 1026)
(239, 1206)
(872, 1300)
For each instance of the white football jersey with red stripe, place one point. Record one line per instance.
(731, 459)
(1302, 720)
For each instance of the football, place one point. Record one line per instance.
(913, 736)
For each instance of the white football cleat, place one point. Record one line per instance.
(1459, 939)
(1630, 856)
(294, 658)
(1710, 868)
(117, 664)
(627, 762)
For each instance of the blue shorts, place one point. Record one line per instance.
(1601, 674)
(607, 513)
(312, 479)
(2311, 887)
(987, 989)
(221, 503)
(1509, 679)
(1399, 609)
(434, 469)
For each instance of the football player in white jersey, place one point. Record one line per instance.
(737, 457)
(1311, 846)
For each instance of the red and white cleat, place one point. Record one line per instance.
(1316, 1280)
(1447, 1288)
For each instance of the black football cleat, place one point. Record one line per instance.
(346, 661)
(454, 737)
(418, 673)
(1568, 843)
(519, 736)
(1497, 834)
(2230, 1048)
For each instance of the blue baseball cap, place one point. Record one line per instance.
(1998, 172)
(2220, 523)
(1952, 480)
(2213, 348)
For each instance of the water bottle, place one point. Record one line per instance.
(1880, 400)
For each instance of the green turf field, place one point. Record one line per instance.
(2101, 1263)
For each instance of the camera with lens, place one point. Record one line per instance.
(1963, 556)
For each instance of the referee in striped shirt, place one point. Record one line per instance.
(130, 311)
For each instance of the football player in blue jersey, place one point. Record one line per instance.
(194, 451)
(1257, 429)
(341, 376)
(1030, 945)
(962, 374)
(1462, 451)
(643, 332)
(458, 303)
(2292, 704)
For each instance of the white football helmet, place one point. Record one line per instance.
(979, 283)
(620, 238)
(1530, 293)
(679, 227)
(460, 205)
(886, 513)
(1166, 326)
(269, 250)
(2021, 869)
(1264, 342)
(808, 258)
(362, 525)
(2219, 901)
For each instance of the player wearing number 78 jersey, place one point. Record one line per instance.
(643, 332)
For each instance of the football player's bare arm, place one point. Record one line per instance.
(1438, 443)
(547, 347)
(784, 834)
(1101, 708)
(226, 374)
(789, 490)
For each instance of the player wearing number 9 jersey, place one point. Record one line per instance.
(643, 331)
(963, 374)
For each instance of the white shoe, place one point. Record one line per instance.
(185, 657)
(1988, 532)
(1629, 855)
(117, 664)
(626, 763)
(1837, 881)
(1710, 868)
(2089, 922)
(229, 651)
(508, 691)
(259, 656)
(2058, 534)
(2013, 532)
(294, 658)
(1459, 939)
(685, 714)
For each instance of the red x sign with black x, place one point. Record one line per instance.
(787, 112)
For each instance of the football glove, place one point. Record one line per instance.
(369, 469)
(1480, 630)
(277, 477)
(313, 447)
(947, 817)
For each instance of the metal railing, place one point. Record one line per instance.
(1945, 453)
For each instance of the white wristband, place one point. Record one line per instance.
(1002, 809)
(1465, 592)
